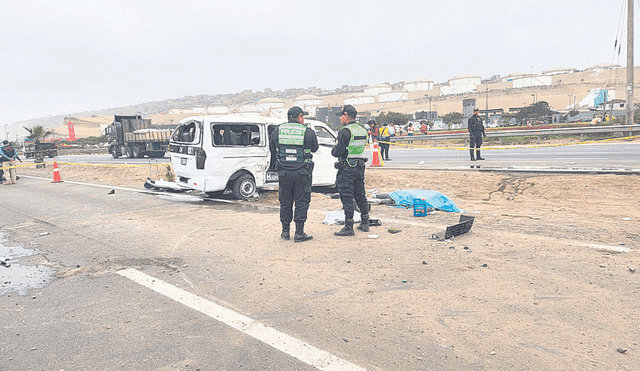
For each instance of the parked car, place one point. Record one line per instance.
(218, 153)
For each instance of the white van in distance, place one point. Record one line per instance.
(217, 153)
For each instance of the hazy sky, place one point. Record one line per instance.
(66, 56)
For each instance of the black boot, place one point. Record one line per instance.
(285, 235)
(347, 230)
(478, 155)
(364, 224)
(300, 236)
(471, 152)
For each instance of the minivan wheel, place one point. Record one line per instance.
(244, 187)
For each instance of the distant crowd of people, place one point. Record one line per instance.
(382, 133)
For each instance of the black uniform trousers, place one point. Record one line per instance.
(475, 140)
(350, 183)
(294, 187)
(384, 148)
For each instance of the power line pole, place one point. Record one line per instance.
(486, 104)
(630, 63)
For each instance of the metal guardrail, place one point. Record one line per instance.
(629, 130)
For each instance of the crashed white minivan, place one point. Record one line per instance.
(214, 154)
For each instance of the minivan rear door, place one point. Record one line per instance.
(185, 145)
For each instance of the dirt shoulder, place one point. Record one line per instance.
(546, 277)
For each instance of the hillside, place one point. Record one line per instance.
(566, 90)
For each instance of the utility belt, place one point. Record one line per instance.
(350, 163)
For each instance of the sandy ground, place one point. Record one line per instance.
(546, 279)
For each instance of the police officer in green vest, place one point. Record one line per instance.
(349, 150)
(293, 143)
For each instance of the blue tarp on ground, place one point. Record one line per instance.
(433, 199)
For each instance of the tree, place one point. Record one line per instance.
(535, 111)
(393, 118)
(453, 118)
(37, 132)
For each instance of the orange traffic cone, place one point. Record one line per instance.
(56, 173)
(375, 154)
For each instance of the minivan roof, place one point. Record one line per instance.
(233, 118)
(241, 119)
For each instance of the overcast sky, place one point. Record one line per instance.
(66, 56)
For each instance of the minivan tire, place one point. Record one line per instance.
(244, 187)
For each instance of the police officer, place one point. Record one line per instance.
(293, 143)
(349, 150)
(8, 156)
(476, 132)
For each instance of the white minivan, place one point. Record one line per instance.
(217, 153)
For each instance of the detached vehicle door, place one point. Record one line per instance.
(324, 173)
(187, 154)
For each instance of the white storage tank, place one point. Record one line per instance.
(359, 98)
(393, 96)
(309, 103)
(461, 84)
(268, 103)
(418, 84)
(307, 100)
(377, 89)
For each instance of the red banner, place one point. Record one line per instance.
(72, 133)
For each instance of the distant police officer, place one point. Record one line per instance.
(8, 157)
(476, 132)
(349, 150)
(293, 143)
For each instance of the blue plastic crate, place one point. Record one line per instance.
(419, 207)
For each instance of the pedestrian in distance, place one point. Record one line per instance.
(375, 131)
(424, 128)
(476, 132)
(370, 126)
(410, 131)
(8, 157)
(293, 143)
(349, 150)
(385, 136)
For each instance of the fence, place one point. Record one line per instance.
(623, 130)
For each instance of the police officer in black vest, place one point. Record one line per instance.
(293, 143)
(349, 150)
(476, 132)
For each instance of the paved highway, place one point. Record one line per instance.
(606, 156)
(587, 156)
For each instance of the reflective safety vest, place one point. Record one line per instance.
(291, 144)
(357, 141)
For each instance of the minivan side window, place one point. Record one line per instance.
(236, 135)
(185, 133)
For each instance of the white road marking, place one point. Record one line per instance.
(281, 341)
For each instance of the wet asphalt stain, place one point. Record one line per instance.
(21, 278)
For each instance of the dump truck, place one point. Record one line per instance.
(39, 150)
(135, 137)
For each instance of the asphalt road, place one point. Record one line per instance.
(587, 157)
(92, 318)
